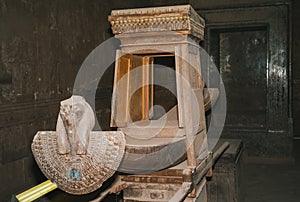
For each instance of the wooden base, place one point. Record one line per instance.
(173, 184)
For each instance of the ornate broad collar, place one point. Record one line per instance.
(73, 157)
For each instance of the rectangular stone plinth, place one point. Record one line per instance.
(225, 184)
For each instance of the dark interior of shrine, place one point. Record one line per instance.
(252, 42)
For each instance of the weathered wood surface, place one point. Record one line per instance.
(154, 128)
(148, 155)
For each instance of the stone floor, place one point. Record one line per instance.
(262, 183)
(273, 183)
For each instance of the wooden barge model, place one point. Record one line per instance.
(158, 156)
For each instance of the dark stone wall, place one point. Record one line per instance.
(296, 66)
(42, 45)
(275, 140)
(295, 54)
